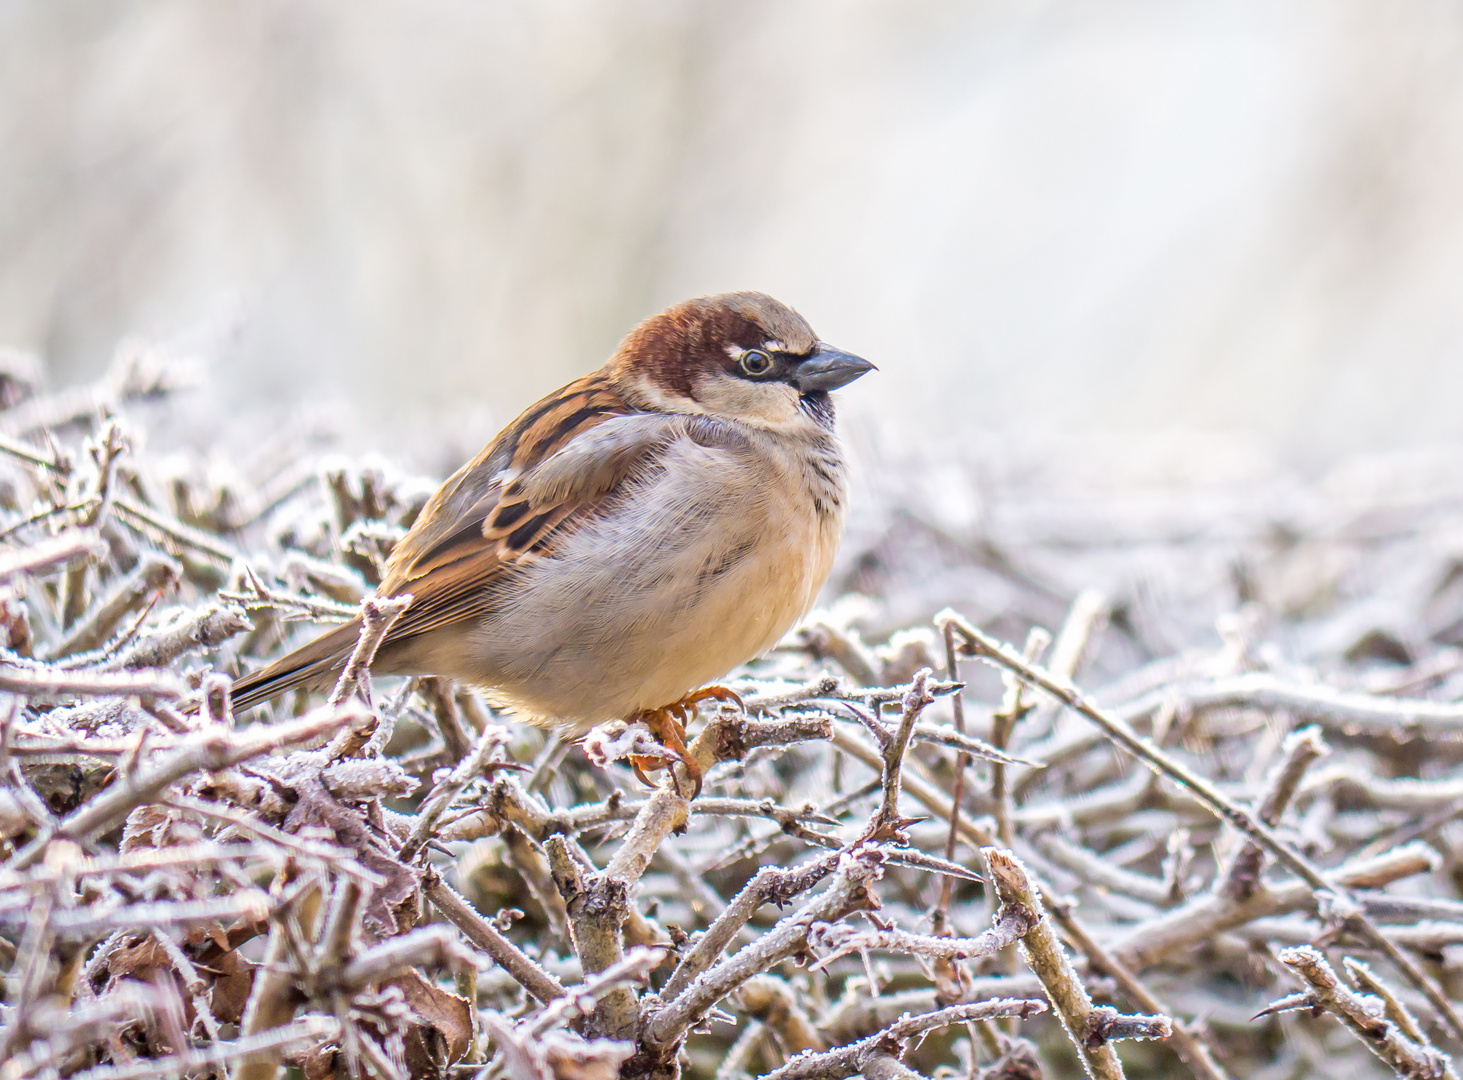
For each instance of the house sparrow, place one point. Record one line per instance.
(631, 537)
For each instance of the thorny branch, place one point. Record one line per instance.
(1091, 1030)
(1366, 1017)
(848, 1060)
(1227, 809)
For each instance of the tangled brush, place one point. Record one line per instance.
(1227, 854)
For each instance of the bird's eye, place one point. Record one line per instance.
(755, 362)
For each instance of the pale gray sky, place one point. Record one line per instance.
(1129, 215)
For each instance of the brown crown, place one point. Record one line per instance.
(673, 347)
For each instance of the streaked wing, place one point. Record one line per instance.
(554, 464)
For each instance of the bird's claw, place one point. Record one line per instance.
(668, 725)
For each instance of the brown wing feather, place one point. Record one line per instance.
(453, 553)
(475, 504)
(492, 514)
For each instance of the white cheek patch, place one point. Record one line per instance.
(769, 405)
(762, 404)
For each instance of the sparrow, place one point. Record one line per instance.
(629, 539)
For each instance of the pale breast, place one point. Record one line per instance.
(705, 562)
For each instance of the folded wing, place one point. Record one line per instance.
(553, 467)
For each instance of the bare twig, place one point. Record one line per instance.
(1045, 956)
(598, 905)
(848, 892)
(205, 628)
(58, 551)
(1206, 916)
(437, 802)
(1010, 925)
(886, 823)
(486, 937)
(886, 1067)
(1190, 1048)
(1338, 710)
(1003, 721)
(1367, 981)
(153, 576)
(1366, 1019)
(210, 750)
(848, 1060)
(377, 615)
(1302, 749)
(770, 884)
(774, 1003)
(45, 681)
(272, 1002)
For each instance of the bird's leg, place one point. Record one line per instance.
(668, 725)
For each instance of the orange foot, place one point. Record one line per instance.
(668, 725)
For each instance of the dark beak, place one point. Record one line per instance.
(828, 369)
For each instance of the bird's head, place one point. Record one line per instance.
(741, 356)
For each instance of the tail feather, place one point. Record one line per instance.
(313, 665)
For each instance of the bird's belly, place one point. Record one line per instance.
(633, 616)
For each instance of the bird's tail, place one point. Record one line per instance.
(314, 665)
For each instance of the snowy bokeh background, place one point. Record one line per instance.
(1130, 217)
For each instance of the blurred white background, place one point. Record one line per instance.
(1131, 216)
